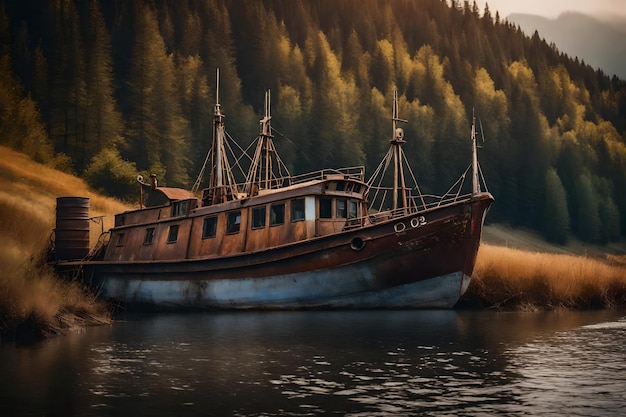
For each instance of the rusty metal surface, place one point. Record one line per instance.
(401, 251)
(239, 247)
(175, 193)
(438, 248)
(72, 228)
(420, 267)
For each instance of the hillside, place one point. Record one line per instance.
(33, 302)
(112, 89)
(598, 42)
(530, 241)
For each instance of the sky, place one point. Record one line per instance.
(553, 8)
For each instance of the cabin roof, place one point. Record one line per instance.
(176, 193)
(289, 187)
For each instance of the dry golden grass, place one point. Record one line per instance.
(516, 279)
(38, 186)
(30, 292)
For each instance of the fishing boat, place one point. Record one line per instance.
(325, 239)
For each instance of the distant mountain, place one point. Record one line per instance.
(599, 41)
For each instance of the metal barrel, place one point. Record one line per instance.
(72, 228)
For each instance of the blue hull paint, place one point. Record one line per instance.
(352, 288)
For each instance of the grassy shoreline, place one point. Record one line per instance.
(514, 279)
(35, 304)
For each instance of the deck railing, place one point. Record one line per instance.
(417, 205)
(355, 173)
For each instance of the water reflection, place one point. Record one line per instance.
(582, 371)
(374, 363)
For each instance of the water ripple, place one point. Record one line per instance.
(338, 364)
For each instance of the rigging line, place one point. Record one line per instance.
(236, 163)
(280, 161)
(480, 170)
(281, 164)
(459, 182)
(382, 200)
(244, 152)
(417, 186)
(379, 168)
(386, 162)
(196, 185)
(283, 136)
(252, 172)
(388, 159)
(482, 133)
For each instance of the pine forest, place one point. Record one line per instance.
(109, 89)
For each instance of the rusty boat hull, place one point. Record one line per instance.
(323, 239)
(422, 260)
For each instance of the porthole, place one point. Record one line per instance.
(357, 243)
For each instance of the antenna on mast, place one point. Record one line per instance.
(217, 90)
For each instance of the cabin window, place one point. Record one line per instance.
(120, 240)
(297, 209)
(341, 209)
(147, 240)
(326, 208)
(234, 222)
(120, 220)
(209, 227)
(258, 217)
(180, 208)
(340, 186)
(172, 236)
(277, 214)
(353, 210)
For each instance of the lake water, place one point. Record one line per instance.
(311, 363)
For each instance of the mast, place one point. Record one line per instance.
(475, 181)
(396, 143)
(266, 137)
(222, 185)
(267, 171)
(218, 134)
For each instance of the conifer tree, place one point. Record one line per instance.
(156, 124)
(335, 139)
(450, 147)
(218, 52)
(556, 222)
(40, 88)
(67, 105)
(587, 222)
(531, 156)
(20, 124)
(103, 123)
(197, 106)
